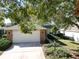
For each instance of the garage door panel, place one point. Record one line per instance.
(21, 37)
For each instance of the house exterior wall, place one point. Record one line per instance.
(21, 37)
(74, 35)
(39, 35)
(69, 34)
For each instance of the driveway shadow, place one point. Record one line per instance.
(25, 45)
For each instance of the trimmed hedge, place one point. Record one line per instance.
(4, 44)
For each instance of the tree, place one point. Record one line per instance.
(1, 19)
(61, 12)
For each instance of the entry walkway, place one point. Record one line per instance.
(24, 51)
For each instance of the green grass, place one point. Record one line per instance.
(61, 48)
(69, 47)
(56, 53)
(70, 44)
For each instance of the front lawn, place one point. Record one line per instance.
(57, 52)
(70, 44)
(61, 49)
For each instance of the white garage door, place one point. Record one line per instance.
(21, 37)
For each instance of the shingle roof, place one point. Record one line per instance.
(15, 27)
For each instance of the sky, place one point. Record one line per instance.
(7, 20)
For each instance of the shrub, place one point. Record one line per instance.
(4, 44)
(62, 53)
(56, 52)
(1, 32)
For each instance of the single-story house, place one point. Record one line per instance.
(16, 36)
(72, 32)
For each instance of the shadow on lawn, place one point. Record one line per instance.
(75, 43)
(77, 50)
(55, 39)
(62, 36)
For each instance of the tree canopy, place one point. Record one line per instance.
(28, 13)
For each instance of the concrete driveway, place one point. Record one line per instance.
(24, 51)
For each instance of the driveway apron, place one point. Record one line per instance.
(31, 50)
